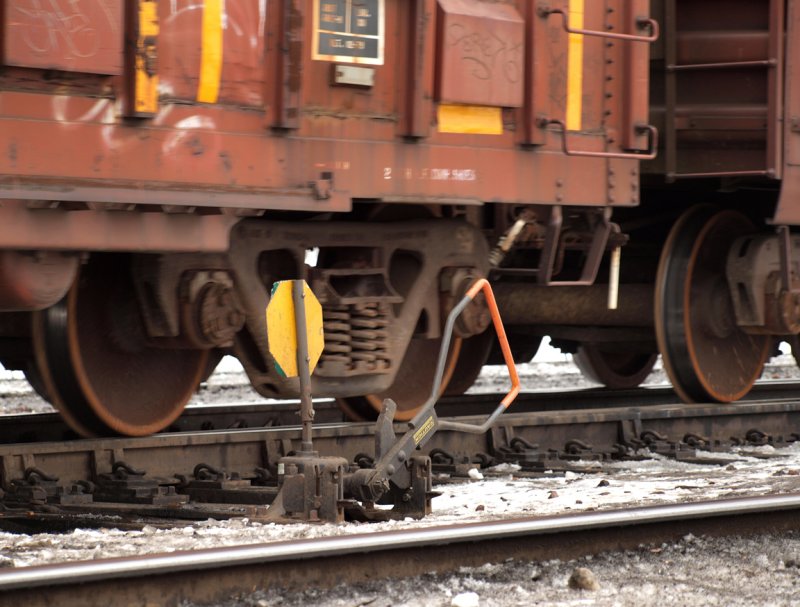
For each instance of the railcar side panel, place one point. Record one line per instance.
(164, 172)
(252, 115)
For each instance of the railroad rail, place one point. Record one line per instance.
(205, 576)
(42, 427)
(229, 472)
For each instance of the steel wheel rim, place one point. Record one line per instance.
(148, 388)
(691, 264)
(615, 370)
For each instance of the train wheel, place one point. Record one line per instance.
(472, 357)
(34, 378)
(617, 369)
(706, 356)
(96, 366)
(412, 385)
(524, 347)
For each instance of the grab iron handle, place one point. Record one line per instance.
(652, 144)
(642, 22)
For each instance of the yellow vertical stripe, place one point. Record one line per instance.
(148, 18)
(146, 84)
(211, 52)
(575, 68)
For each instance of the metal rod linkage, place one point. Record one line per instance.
(481, 285)
(306, 404)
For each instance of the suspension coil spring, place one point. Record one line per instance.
(356, 338)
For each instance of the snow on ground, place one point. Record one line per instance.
(500, 495)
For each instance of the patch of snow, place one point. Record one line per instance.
(466, 599)
(475, 474)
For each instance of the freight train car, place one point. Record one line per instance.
(164, 162)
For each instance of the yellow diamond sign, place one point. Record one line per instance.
(282, 329)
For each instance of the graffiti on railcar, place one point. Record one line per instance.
(212, 51)
(71, 35)
(487, 53)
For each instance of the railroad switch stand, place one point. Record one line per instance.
(398, 478)
(311, 489)
(316, 488)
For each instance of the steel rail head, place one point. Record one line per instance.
(338, 547)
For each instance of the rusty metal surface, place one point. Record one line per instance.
(528, 304)
(420, 80)
(481, 54)
(209, 143)
(788, 210)
(241, 51)
(84, 37)
(719, 91)
(27, 225)
(187, 161)
(637, 76)
(216, 574)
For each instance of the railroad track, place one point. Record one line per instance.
(231, 471)
(206, 576)
(44, 427)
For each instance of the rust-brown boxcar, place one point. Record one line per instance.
(164, 162)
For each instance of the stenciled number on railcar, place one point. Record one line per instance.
(431, 174)
(350, 31)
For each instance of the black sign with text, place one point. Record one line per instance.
(349, 28)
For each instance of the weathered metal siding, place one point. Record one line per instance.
(481, 54)
(83, 37)
(247, 118)
(228, 48)
(718, 82)
(788, 211)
